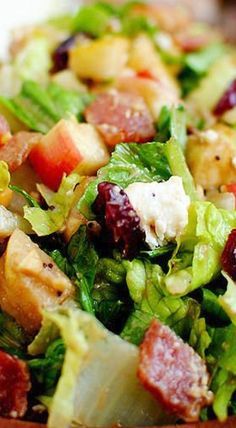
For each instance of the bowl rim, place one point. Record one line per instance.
(230, 423)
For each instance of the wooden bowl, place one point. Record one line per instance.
(231, 423)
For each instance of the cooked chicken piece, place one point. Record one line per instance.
(211, 156)
(30, 282)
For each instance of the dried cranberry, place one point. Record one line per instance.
(61, 55)
(227, 101)
(119, 221)
(228, 257)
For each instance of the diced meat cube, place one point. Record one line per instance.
(14, 385)
(121, 117)
(17, 149)
(173, 372)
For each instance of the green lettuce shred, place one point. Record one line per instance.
(93, 19)
(203, 241)
(34, 60)
(40, 108)
(145, 282)
(228, 299)
(222, 357)
(196, 65)
(45, 222)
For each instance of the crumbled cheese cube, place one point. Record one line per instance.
(162, 208)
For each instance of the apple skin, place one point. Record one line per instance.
(68, 146)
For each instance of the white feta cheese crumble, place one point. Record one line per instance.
(162, 208)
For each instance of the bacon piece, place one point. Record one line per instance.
(121, 117)
(173, 372)
(17, 149)
(14, 385)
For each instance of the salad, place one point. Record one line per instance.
(118, 220)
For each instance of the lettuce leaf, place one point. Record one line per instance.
(83, 258)
(212, 308)
(93, 19)
(129, 163)
(34, 60)
(203, 240)
(222, 356)
(178, 166)
(197, 64)
(40, 108)
(29, 199)
(172, 123)
(46, 370)
(200, 61)
(136, 325)
(45, 222)
(93, 370)
(228, 299)
(12, 337)
(145, 282)
(101, 282)
(199, 338)
(223, 386)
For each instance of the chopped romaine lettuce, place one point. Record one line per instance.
(197, 64)
(159, 251)
(12, 338)
(200, 61)
(145, 282)
(100, 282)
(228, 300)
(211, 88)
(132, 25)
(179, 167)
(29, 199)
(212, 309)
(172, 123)
(136, 279)
(83, 258)
(136, 325)
(33, 62)
(204, 237)
(129, 163)
(40, 108)
(46, 370)
(222, 357)
(111, 270)
(45, 222)
(223, 386)
(92, 20)
(199, 337)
